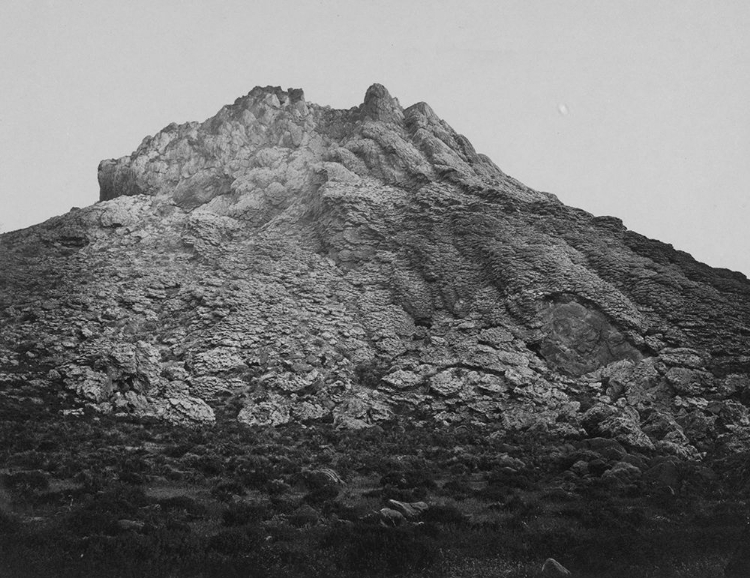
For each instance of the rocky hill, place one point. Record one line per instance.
(287, 262)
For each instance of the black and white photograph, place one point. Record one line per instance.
(377, 288)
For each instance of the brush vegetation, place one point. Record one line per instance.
(91, 495)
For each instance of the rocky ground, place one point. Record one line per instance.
(285, 266)
(99, 495)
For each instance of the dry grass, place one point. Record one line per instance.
(236, 502)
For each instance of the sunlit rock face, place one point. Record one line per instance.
(285, 262)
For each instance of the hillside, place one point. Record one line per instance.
(289, 267)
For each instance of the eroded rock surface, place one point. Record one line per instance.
(284, 261)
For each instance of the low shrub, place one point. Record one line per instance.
(177, 450)
(225, 491)
(242, 513)
(254, 472)
(457, 488)
(133, 478)
(304, 516)
(231, 542)
(26, 481)
(504, 477)
(374, 550)
(322, 494)
(444, 514)
(210, 465)
(99, 514)
(342, 511)
(277, 487)
(392, 493)
(9, 524)
(182, 504)
(29, 459)
(409, 479)
(284, 504)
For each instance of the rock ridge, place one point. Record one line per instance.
(234, 153)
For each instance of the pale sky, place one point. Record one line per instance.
(638, 109)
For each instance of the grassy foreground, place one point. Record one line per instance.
(92, 495)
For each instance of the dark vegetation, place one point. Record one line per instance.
(97, 496)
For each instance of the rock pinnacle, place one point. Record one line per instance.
(380, 105)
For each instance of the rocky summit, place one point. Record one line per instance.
(285, 262)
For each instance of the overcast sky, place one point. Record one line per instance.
(637, 109)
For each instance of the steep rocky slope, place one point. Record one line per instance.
(284, 261)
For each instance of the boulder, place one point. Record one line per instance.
(619, 423)
(130, 525)
(322, 477)
(272, 411)
(391, 517)
(553, 569)
(607, 448)
(410, 510)
(622, 473)
(361, 410)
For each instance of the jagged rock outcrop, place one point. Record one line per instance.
(284, 261)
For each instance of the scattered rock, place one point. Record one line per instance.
(130, 525)
(273, 411)
(552, 568)
(391, 517)
(410, 510)
(322, 477)
(608, 448)
(621, 424)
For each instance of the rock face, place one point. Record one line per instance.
(286, 262)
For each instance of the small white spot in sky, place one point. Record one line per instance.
(562, 108)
